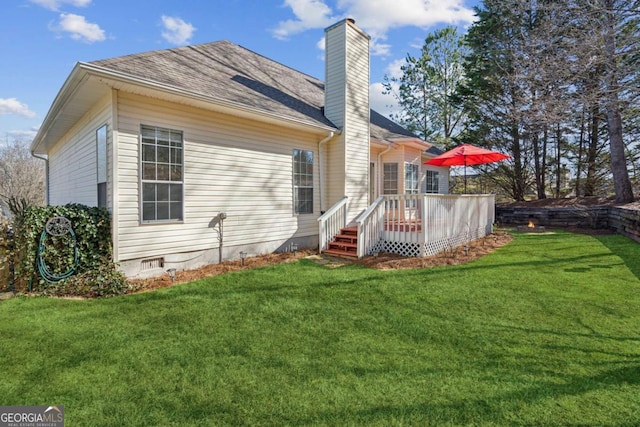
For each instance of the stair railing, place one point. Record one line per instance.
(370, 227)
(331, 222)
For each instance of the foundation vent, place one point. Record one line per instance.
(151, 264)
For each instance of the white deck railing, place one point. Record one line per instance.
(331, 222)
(424, 224)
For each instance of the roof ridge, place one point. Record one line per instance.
(150, 53)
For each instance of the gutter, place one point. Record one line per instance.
(46, 175)
(323, 141)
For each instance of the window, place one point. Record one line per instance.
(101, 161)
(162, 174)
(390, 178)
(411, 178)
(432, 181)
(302, 181)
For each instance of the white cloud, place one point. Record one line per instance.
(55, 4)
(376, 17)
(309, 14)
(13, 106)
(394, 68)
(176, 30)
(23, 135)
(383, 104)
(80, 29)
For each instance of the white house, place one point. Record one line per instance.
(201, 152)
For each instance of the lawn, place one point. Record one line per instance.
(545, 331)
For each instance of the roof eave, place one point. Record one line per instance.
(223, 104)
(82, 71)
(73, 81)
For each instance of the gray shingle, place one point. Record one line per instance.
(229, 72)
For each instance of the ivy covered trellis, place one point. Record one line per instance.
(73, 263)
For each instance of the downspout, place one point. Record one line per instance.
(46, 175)
(380, 171)
(323, 141)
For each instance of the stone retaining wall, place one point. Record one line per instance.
(583, 217)
(623, 220)
(626, 221)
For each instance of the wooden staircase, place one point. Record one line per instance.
(344, 244)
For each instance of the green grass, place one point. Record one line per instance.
(543, 332)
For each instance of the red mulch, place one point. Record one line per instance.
(383, 261)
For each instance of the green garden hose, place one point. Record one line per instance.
(56, 226)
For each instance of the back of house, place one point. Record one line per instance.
(201, 152)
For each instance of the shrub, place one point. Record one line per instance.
(76, 263)
(4, 254)
(103, 280)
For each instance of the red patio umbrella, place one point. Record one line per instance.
(466, 155)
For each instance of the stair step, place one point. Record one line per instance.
(345, 238)
(344, 246)
(349, 231)
(336, 252)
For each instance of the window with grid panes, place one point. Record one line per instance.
(432, 182)
(411, 178)
(390, 178)
(162, 168)
(302, 181)
(101, 161)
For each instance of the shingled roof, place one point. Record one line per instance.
(232, 73)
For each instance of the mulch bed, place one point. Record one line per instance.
(384, 261)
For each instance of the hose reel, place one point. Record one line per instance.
(56, 227)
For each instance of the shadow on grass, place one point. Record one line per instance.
(499, 409)
(630, 254)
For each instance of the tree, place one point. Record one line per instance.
(21, 177)
(498, 92)
(425, 89)
(555, 70)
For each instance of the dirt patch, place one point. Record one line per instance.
(383, 261)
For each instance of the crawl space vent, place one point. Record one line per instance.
(152, 264)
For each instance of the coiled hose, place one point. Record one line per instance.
(42, 265)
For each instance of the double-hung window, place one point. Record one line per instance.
(411, 178)
(302, 181)
(411, 182)
(101, 161)
(390, 184)
(162, 174)
(432, 181)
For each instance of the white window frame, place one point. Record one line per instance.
(431, 181)
(101, 166)
(302, 181)
(153, 140)
(411, 178)
(389, 177)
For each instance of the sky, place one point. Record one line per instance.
(42, 40)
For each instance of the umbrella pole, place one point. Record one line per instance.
(465, 176)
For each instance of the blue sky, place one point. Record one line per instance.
(41, 40)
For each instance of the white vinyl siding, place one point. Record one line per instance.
(231, 165)
(347, 106)
(73, 162)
